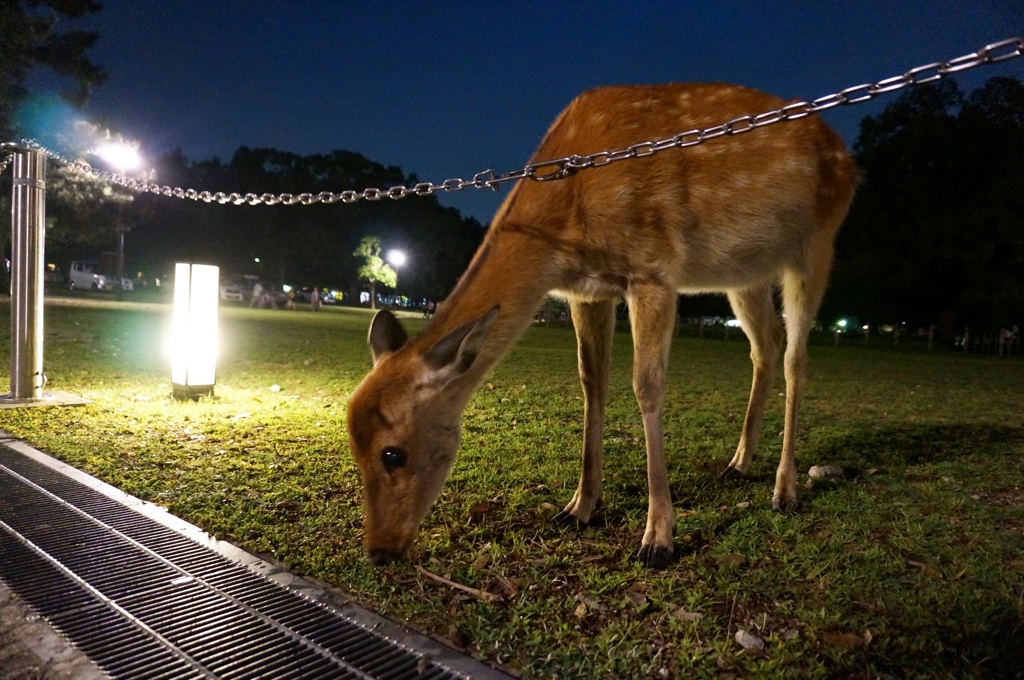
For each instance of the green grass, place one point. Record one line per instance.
(911, 565)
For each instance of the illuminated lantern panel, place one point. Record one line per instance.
(194, 330)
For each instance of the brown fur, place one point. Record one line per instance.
(742, 214)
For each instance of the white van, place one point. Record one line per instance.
(86, 275)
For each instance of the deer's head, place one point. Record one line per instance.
(405, 425)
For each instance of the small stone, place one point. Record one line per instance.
(744, 505)
(823, 471)
(749, 640)
(275, 388)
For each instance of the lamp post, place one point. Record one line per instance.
(124, 157)
(396, 258)
(194, 330)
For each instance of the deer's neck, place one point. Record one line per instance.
(512, 270)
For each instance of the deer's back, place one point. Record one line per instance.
(719, 215)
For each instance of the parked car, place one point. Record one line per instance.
(231, 292)
(53, 274)
(86, 275)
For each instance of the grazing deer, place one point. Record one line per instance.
(737, 214)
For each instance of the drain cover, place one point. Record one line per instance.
(144, 601)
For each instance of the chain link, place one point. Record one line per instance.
(560, 168)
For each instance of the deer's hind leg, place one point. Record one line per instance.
(595, 327)
(652, 310)
(802, 290)
(755, 308)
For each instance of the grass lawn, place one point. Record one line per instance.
(910, 565)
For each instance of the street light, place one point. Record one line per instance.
(124, 157)
(120, 155)
(396, 258)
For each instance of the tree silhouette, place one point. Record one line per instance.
(936, 232)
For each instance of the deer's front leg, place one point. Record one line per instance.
(652, 313)
(595, 327)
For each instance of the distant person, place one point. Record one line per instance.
(291, 300)
(257, 295)
(314, 300)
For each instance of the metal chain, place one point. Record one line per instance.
(5, 162)
(560, 168)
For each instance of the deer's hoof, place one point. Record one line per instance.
(568, 520)
(730, 473)
(654, 556)
(785, 505)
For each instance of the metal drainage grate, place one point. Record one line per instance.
(143, 601)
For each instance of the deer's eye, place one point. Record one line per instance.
(393, 457)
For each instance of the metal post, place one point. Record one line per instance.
(28, 223)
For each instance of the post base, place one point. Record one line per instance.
(193, 392)
(48, 399)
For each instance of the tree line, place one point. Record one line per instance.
(935, 235)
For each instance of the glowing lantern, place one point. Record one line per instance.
(194, 330)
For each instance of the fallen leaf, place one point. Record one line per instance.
(290, 506)
(556, 485)
(744, 505)
(639, 599)
(960, 574)
(510, 586)
(926, 568)
(537, 409)
(590, 602)
(684, 615)
(481, 562)
(457, 637)
(733, 560)
(845, 641)
(490, 386)
(548, 506)
(580, 611)
(422, 663)
(481, 508)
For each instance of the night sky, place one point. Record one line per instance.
(447, 89)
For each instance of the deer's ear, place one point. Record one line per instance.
(386, 335)
(452, 355)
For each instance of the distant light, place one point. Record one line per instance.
(395, 257)
(286, 288)
(194, 330)
(842, 323)
(121, 156)
(733, 323)
(864, 327)
(256, 259)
